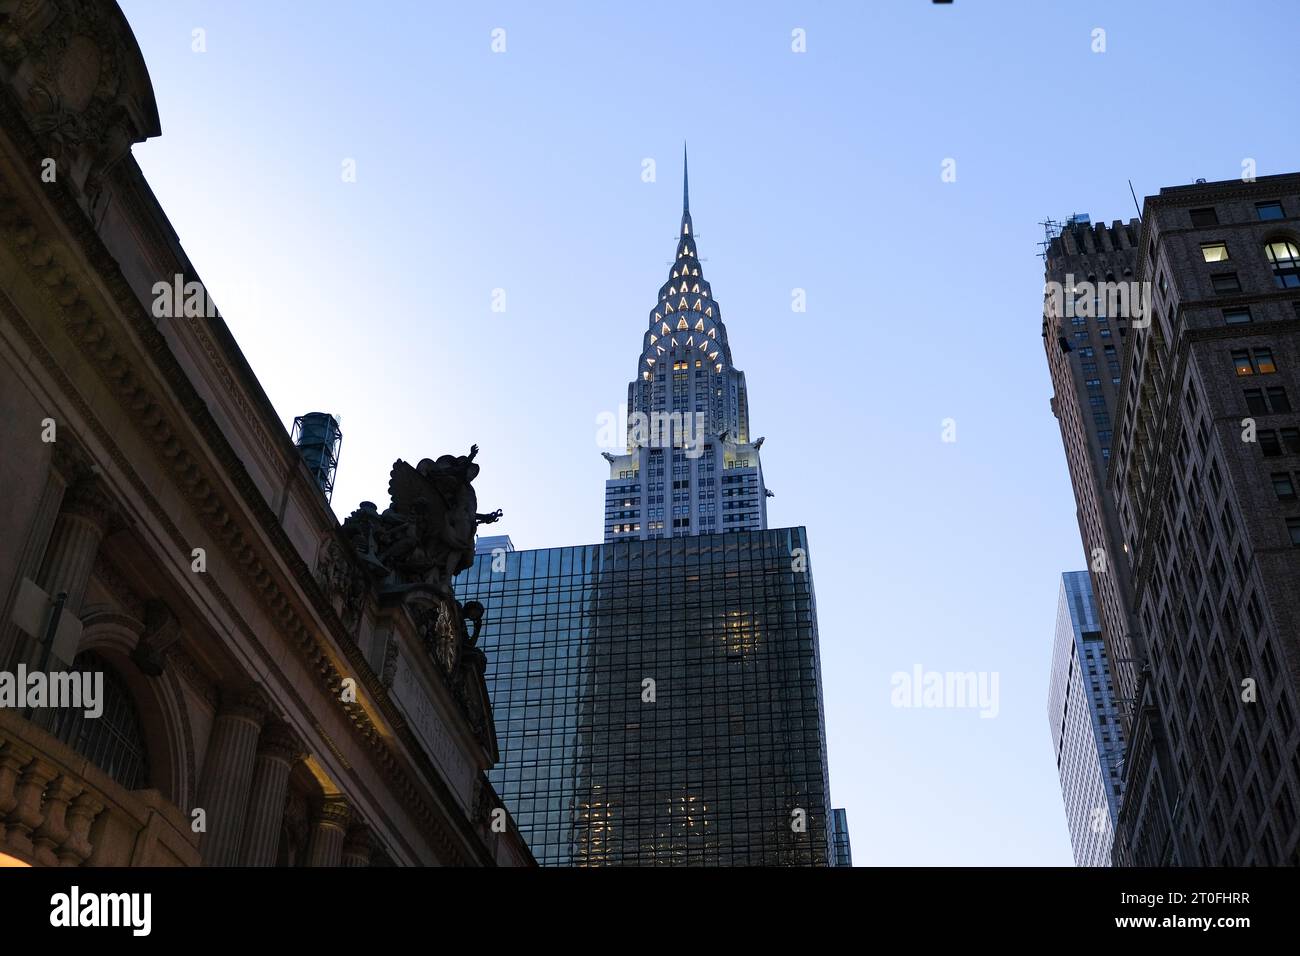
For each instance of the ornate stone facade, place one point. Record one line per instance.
(285, 689)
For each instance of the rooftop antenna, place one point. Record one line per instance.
(1135, 200)
(1051, 229)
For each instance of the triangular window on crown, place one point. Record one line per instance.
(703, 346)
(664, 330)
(696, 306)
(659, 349)
(696, 287)
(653, 338)
(681, 324)
(683, 304)
(699, 324)
(709, 313)
(713, 356)
(668, 306)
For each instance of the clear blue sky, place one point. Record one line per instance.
(522, 171)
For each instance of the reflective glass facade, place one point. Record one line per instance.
(659, 702)
(1086, 730)
(841, 852)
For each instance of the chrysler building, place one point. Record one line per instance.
(691, 466)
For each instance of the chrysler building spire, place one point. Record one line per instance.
(686, 186)
(690, 465)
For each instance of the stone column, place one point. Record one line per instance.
(327, 833)
(278, 749)
(228, 772)
(29, 561)
(359, 846)
(78, 531)
(70, 555)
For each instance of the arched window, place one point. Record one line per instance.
(1285, 259)
(113, 741)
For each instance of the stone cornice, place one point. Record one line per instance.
(213, 335)
(94, 336)
(1197, 194)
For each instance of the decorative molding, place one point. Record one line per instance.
(85, 91)
(1204, 194)
(111, 580)
(330, 745)
(162, 632)
(334, 812)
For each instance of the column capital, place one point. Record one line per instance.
(246, 701)
(334, 812)
(89, 499)
(280, 742)
(70, 462)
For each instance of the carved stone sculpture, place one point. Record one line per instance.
(412, 551)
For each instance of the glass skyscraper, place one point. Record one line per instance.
(1085, 724)
(659, 702)
(841, 851)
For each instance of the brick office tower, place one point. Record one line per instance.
(1090, 299)
(1204, 474)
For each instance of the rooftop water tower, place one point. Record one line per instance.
(318, 439)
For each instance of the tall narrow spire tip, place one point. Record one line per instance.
(686, 183)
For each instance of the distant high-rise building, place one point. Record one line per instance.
(1087, 309)
(690, 466)
(1086, 733)
(1091, 298)
(841, 851)
(488, 543)
(1204, 472)
(659, 702)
